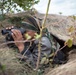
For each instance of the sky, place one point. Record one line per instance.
(67, 7)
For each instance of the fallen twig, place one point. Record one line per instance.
(58, 50)
(9, 42)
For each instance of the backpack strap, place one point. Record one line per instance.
(54, 44)
(60, 56)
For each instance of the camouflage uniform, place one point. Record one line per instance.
(47, 47)
(48, 44)
(32, 53)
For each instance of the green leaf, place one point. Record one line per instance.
(45, 55)
(51, 60)
(69, 43)
(3, 67)
(51, 55)
(22, 4)
(43, 60)
(37, 36)
(74, 17)
(27, 36)
(71, 29)
(47, 61)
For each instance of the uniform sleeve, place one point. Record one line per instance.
(45, 49)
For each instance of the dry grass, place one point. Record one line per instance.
(10, 62)
(9, 59)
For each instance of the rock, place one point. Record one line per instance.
(59, 26)
(66, 69)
